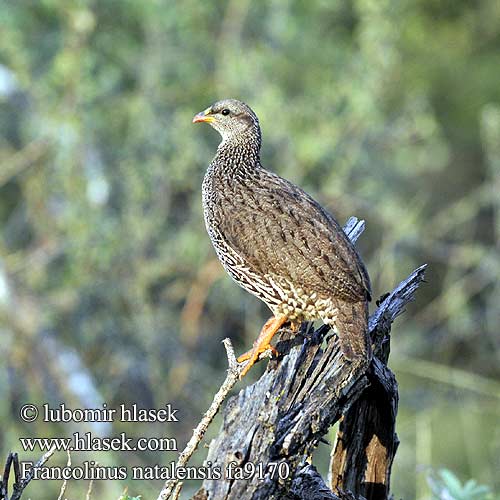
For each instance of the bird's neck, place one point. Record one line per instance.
(242, 152)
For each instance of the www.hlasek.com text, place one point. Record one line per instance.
(87, 442)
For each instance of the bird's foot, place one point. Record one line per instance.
(253, 355)
(257, 350)
(262, 344)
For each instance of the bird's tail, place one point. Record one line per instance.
(351, 325)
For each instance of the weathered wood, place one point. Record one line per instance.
(367, 441)
(19, 483)
(308, 483)
(281, 418)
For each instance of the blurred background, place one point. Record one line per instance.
(109, 287)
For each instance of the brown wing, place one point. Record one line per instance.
(279, 230)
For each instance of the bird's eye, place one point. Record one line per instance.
(225, 112)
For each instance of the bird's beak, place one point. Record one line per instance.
(203, 116)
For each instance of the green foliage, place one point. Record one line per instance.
(125, 496)
(109, 288)
(446, 486)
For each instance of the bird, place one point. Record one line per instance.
(277, 242)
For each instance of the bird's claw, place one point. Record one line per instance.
(252, 356)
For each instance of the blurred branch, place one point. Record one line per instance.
(456, 295)
(195, 300)
(22, 160)
(37, 257)
(89, 490)
(445, 374)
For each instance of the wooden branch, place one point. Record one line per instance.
(89, 490)
(4, 485)
(65, 482)
(173, 486)
(281, 418)
(19, 484)
(353, 228)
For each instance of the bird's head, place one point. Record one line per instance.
(233, 119)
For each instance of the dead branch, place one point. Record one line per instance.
(232, 377)
(19, 484)
(65, 482)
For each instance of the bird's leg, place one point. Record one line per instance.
(262, 343)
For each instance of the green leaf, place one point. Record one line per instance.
(447, 486)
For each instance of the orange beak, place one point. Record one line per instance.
(203, 116)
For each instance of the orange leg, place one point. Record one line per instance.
(262, 343)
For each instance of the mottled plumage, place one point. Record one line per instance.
(275, 240)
